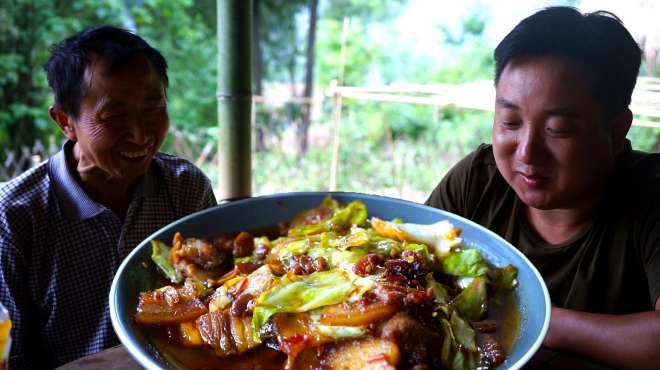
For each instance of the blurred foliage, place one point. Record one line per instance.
(645, 138)
(282, 39)
(472, 27)
(389, 148)
(359, 54)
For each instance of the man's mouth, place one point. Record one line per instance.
(533, 179)
(134, 154)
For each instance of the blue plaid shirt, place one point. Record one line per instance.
(59, 251)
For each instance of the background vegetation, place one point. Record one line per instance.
(387, 148)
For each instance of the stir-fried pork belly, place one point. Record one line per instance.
(365, 353)
(414, 339)
(197, 258)
(225, 333)
(169, 305)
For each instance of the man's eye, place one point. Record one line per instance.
(155, 110)
(113, 118)
(509, 124)
(560, 131)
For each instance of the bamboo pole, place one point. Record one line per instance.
(337, 108)
(234, 93)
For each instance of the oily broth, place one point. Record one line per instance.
(506, 313)
(262, 357)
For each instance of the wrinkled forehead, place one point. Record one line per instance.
(134, 72)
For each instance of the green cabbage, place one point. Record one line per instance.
(301, 295)
(504, 279)
(465, 262)
(354, 214)
(160, 253)
(472, 301)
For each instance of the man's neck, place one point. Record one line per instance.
(558, 225)
(117, 200)
(112, 193)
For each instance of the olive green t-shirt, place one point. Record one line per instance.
(612, 266)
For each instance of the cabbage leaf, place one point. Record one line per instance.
(301, 294)
(160, 253)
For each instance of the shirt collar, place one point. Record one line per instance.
(75, 202)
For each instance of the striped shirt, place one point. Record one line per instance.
(59, 251)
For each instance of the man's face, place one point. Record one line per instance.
(549, 138)
(123, 120)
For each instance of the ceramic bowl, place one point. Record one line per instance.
(261, 212)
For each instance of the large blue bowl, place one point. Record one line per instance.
(260, 212)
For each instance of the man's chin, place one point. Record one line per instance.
(538, 201)
(129, 173)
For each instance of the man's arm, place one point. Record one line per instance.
(15, 297)
(622, 341)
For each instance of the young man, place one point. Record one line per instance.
(66, 225)
(561, 183)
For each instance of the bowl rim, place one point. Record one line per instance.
(140, 355)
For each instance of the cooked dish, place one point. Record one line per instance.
(332, 289)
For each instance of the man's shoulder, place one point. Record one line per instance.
(179, 174)
(642, 164)
(29, 188)
(24, 201)
(635, 194)
(483, 155)
(641, 171)
(480, 162)
(189, 188)
(463, 186)
(177, 167)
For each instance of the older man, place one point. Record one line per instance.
(561, 182)
(67, 224)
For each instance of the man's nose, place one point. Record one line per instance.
(531, 145)
(137, 131)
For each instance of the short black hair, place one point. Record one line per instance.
(115, 46)
(597, 42)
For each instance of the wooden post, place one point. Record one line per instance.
(234, 92)
(336, 111)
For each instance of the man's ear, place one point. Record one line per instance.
(64, 121)
(620, 125)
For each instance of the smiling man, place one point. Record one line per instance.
(66, 225)
(562, 183)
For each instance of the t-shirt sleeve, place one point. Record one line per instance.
(651, 252)
(451, 193)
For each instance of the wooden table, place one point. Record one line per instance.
(117, 358)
